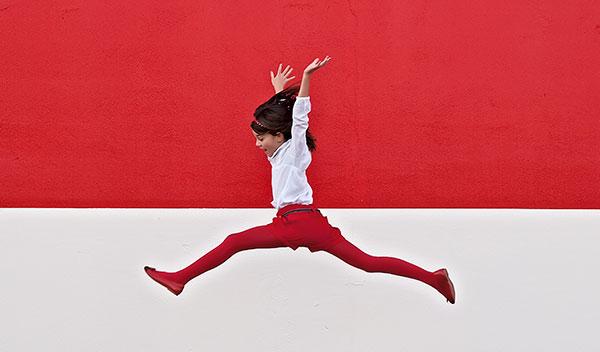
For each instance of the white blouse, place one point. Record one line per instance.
(290, 161)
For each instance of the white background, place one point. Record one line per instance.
(73, 279)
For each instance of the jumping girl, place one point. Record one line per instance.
(281, 131)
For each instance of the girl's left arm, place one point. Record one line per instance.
(300, 125)
(308, 71)
(302, 108)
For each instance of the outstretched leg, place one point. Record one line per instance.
(352, 255)
(256, 237)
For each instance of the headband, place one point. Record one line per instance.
(261, 125)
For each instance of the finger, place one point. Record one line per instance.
(291, 78)
(286, 69)
(290, 71)
(279, 70)
(272, 77)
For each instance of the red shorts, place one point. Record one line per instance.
(305, 228)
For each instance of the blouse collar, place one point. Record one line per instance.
(283, 146)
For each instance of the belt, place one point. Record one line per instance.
(301, 209)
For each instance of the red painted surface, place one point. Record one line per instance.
(489, 104)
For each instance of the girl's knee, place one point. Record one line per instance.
(232, 242)
(240, 241)
(358, 259)
(369, 264)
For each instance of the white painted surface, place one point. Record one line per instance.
(73, 279)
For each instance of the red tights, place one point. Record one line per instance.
(306, 229)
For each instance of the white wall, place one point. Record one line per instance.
(73, 279)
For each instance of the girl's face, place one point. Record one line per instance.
(268, 142)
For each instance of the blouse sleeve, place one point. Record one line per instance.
(300, 125)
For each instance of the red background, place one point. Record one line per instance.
(490, 104)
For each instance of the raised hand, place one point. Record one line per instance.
(315, 65)
(281, 78)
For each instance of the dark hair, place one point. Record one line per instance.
(276, 115)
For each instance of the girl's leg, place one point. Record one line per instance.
(352, 255)
(256, 237)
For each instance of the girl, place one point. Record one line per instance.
(281, 131)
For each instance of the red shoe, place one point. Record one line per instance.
(447, 287)
(172, 286)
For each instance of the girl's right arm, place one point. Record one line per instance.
(281, 78)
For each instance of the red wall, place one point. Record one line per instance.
(489, 104)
